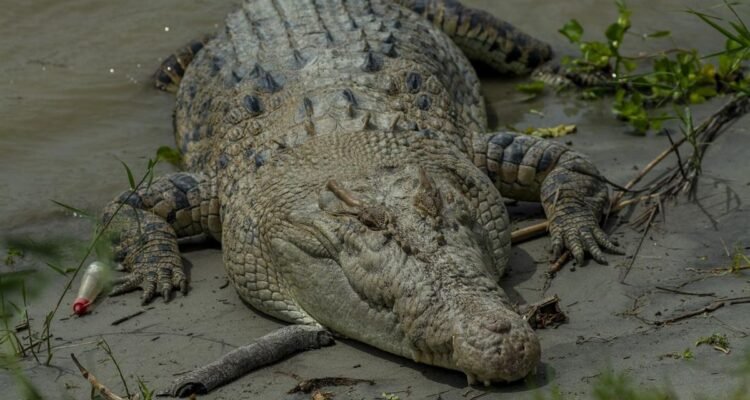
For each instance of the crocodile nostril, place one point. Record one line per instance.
(495, 325)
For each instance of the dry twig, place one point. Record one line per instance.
(127, 317)
(666, 289)
(713, 306)
(98, 386)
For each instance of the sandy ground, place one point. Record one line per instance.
(608, 325)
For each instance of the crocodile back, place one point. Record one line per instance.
(284, 71)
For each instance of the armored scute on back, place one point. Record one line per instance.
(338, 151)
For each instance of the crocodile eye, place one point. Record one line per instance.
(430, 203)
(428, 198)
(374, 217)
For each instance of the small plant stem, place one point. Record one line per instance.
(47, 336)
(10, 335)
(660, 53)
(95, 384)
(643, 172)
(35, 343)
(104, 345)
(26, 316)
(625, 272)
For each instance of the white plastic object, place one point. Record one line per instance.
(92, 284)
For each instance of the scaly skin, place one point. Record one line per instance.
(337, 150)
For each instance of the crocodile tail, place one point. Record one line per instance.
(484, 37)
(172, 69)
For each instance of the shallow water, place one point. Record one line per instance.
(75, 94)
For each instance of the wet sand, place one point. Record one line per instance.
(75, 97)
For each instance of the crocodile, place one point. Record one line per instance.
(339, 151)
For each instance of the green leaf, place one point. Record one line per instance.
(170, 155)
(13, 280)
(57, 269)
(572, 30)
(708, 19)
(707, 91)
(657, 34)
(614, 33)
(550, 132)
(629, 65)
(131, 181)
(12, 254)
(76, 211)
(742, 32)
(596, 54)
(623, 19)
(534, 87)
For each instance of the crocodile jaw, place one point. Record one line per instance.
(420, 282)
(489, 354)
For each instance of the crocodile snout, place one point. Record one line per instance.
(498, 347)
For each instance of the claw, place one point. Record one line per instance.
(125, 284)
(573, 243)
(606, 243)
(165, 293)
(179, 280)
(593, 247)
(149, 289)
(557, 246)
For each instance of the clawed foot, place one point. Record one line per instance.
(576, 228)
(153, 278)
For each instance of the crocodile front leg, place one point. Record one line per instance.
(569, 186)
(146, 223)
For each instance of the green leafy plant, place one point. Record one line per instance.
(597, 56)
(687, 354)
(619, 386)
(717, 341)
(680, 76)
(12, 254)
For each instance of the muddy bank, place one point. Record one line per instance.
(75, 99)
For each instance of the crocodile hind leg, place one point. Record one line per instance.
(572, 191)
(144, 227)
(172, 69)
(482, 36)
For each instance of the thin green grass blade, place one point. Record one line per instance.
(74, 210)
(131, 180)
(708, 19)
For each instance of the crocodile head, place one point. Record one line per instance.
(408, 260)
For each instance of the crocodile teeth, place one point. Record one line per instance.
(471, 378)
(487, 383)
(416, 356)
